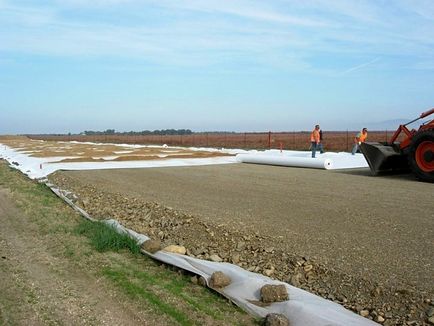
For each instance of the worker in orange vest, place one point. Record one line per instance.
(315, 141)
(359, 139)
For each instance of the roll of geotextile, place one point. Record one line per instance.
(283, 160)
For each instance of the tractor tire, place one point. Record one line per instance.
(421, 155)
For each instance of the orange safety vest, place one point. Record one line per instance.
(361, 137)
(314, 136)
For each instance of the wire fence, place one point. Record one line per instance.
(295, 140)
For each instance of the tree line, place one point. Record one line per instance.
(143, 132)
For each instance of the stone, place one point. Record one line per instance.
(430, 312)
(274, 293)
(296, 279)
(276, 320)
(308, 268)
(380, 319)
(86, 202)
(176, 249)
(364, 313)
(269, 272)
(202, 281)
(310, 276)
(215, 258)
(235, 258)
(241, 245)
(269, 250)
(431, 320)
(151, 246)
(219, 280)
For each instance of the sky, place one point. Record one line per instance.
(213, 65)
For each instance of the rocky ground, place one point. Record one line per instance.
(257, 252)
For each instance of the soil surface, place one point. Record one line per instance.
(365, 242)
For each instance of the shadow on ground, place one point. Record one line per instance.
(386, 175)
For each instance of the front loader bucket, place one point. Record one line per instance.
(384, 158)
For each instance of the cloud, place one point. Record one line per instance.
(250, 10)
(93, 3)
(423, 8)
(360, 66)
(282, 33)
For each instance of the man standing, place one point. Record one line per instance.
(316, 141)
(360, 138)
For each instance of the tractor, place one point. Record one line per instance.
(415, 151)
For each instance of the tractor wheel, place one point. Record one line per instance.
(421, 155)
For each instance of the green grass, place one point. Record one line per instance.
(104, 237)
(137, 291)
(178, 286)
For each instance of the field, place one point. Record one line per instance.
(361, 241)
(333, 140)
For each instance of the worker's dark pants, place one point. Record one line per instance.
(316, 147)
(356, 147)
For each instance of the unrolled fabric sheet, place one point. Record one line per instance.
(40, 167)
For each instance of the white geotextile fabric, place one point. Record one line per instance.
(328, 160)
(40, 167)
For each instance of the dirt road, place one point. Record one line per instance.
(376, 227)
(40, 288)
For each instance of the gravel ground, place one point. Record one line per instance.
(369, 240)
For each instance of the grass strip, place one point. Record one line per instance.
(120, 278)
(176, 286)
(104, 237)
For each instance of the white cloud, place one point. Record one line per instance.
(249, 10)
(423, 8)
(191, 32)
(360, 66)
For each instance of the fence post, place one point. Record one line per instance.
(207, 144)
(347, 140)
(269, 140)
(245, 140)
